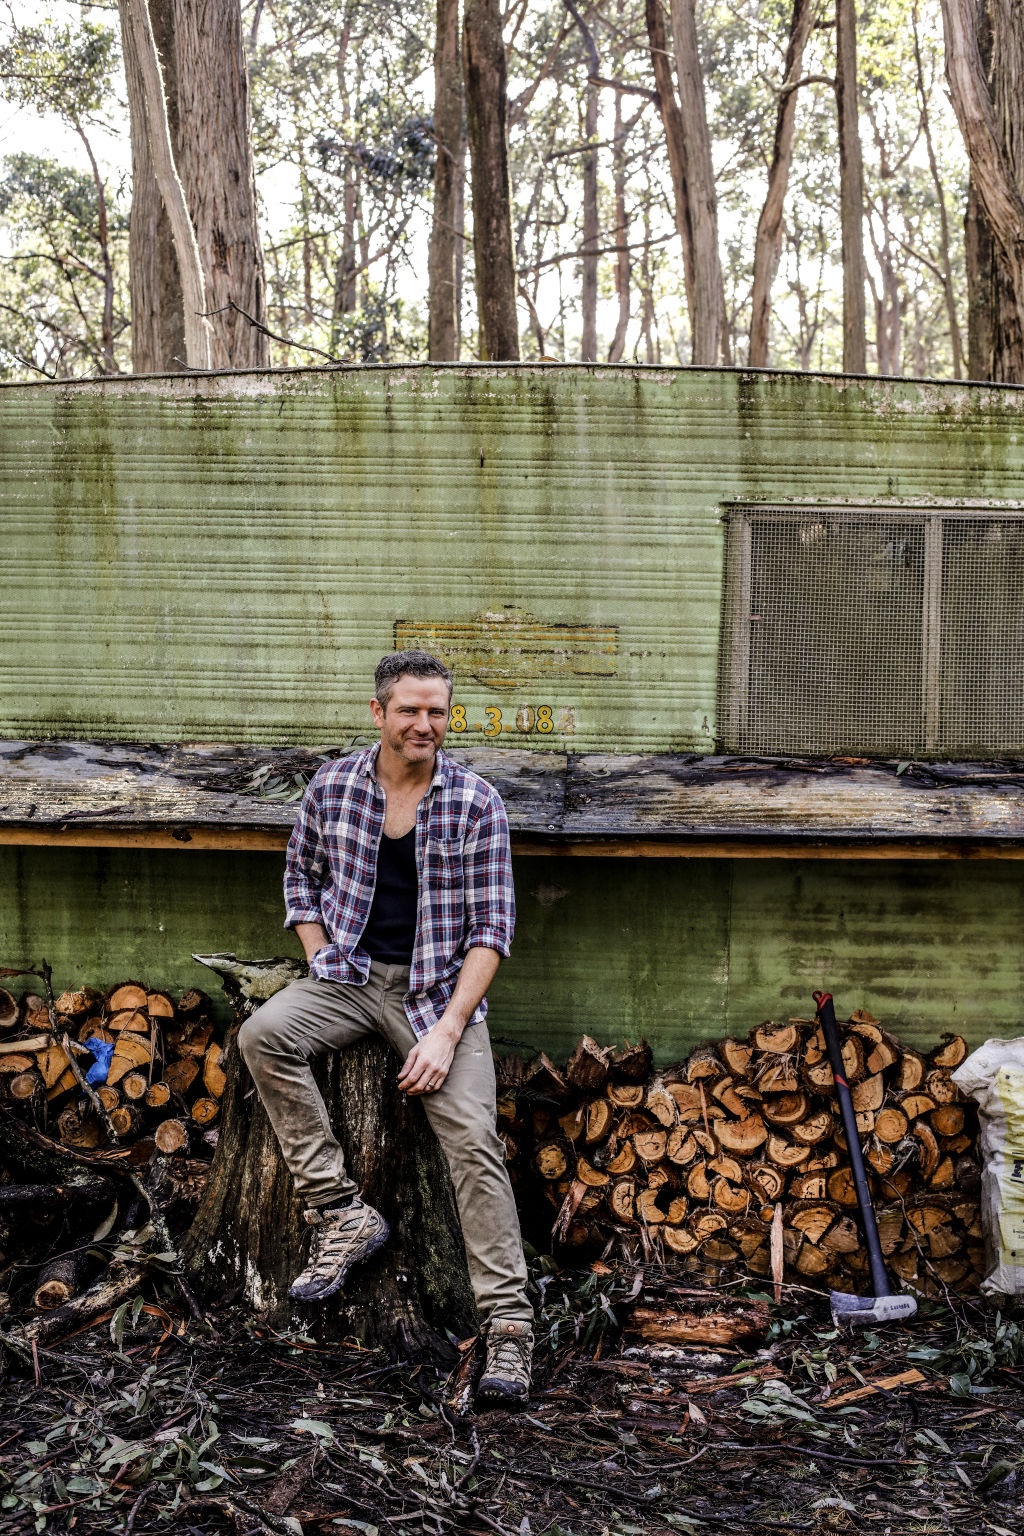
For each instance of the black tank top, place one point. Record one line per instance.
(390, 931)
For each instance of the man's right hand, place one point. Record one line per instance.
(312, 937)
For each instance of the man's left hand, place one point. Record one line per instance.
(428, 1063)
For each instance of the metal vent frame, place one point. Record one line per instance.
(739, 517)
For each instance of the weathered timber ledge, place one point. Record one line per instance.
(197, 796)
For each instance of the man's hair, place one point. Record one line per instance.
(406, 664)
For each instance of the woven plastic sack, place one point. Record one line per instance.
(994, 1078)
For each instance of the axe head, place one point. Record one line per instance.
(867, 1311)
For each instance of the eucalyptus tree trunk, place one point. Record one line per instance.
(205, 149)
(591, 218)
(985, 71)
(708, 303)
(675, 143)
(622, 271)
(768, 241)
(487, 121)
(851, 191)
(449, 172)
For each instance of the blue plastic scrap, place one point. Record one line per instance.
(102, 1050)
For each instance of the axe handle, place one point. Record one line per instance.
(827, 1019)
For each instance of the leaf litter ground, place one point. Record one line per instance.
(146, 1423)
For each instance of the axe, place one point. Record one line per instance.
(884, 1306)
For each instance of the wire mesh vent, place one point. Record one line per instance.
(890, 632)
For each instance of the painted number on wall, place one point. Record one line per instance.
(529, 718)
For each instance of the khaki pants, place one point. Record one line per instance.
(313, 1016)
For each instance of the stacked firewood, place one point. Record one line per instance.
(700, 1160)
(162, 1086)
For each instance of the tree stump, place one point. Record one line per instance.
(247, 1239)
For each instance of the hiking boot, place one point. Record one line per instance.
(506, 1377)
(342, 1237)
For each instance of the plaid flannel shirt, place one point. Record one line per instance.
(463, 861)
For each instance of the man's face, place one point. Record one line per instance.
(414, 723)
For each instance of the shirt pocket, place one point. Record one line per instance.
(444, 861)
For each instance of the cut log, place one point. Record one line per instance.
(777, 1074)
(736, 1055)
(776, 1039)
(911, 1071)
(83, 1131)
(25, 1086)
(916, 1104)
(678, 1210)
(550, 1160)
(841, 1188)
(697, 1185)
(727, 1166)
(543, 1078)
(679, 1239)
(941, 1087)
(625, 1095)
(70, 1004)
(214, 1076)
(158, 1095)
(650, 1145)
(660, 1103)
(951, 1054)
(687, 1100)
(134, 1085)
(647, 1208)
(818, 1077)
(890, 1127)
(813, 1262)
(181, 1074)
(786, 1109)
(59, 1280)
(633, 1063)
(600, 1120)
(588, 1067)
(9, 1009)
(729, 1197)
(621, 1199)
(130, 1052)
(193, 1003)
(14, 1062)
(587, 1174)
(624, 1159)
(742, 1136)
(814, 1130)
(868, 1094)
(807, 1186)
(854, 1059)
(785, 1153)
(744, 1325)
(766, 1181)
(571, 1124)
(128, 997)
(928, 1148)
(193, 1041)
(171, 1136)
(125, 1121)
(159, 1005)
(812, 1217)
(138, 1023)
(681, 1146)
(884, 1055)
(704, 1063)
(947, 1120)
(66, 1083)
(109, 1097)
(52, 1063)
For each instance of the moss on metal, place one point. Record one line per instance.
(225, 557)
(675, 949)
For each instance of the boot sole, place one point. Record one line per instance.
(373, 1246)
(503, 1395)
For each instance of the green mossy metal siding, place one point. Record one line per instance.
(225, 557)
(675, 949)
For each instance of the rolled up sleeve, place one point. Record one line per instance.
(305, 862)
(489, 891)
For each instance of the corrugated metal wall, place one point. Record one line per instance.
(678, 950)
(225, 558)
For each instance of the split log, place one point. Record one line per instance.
(588, 1067)
(59, 1280)
(744, 1325)
(633, 1063)
(9, 1009)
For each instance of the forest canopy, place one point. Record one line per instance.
(788, 183)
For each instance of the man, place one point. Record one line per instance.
(398, 884)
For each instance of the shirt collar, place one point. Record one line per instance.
(442, 766)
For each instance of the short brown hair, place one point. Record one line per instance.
(406, 664)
